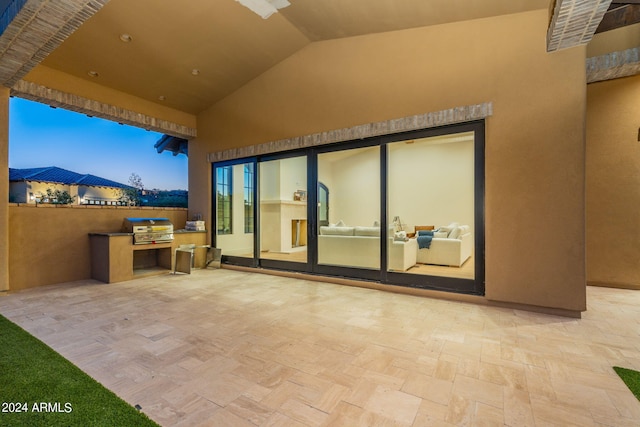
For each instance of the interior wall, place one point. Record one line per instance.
(429, 184)
(432, 184)
(270, 180)
(354, 194)
(534, 139)
(45, 238)
(293, 176)
(613, 182)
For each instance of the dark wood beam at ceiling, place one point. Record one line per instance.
(620, 15)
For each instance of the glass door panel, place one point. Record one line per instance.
(283, 209)
(234, 193)
(349, 232)
(431, 208)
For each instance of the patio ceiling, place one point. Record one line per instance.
(228, 44)
(190, 55)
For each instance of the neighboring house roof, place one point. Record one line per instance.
(61, 176)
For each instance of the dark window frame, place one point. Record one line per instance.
(248, 194)
(224, 200)
(474, 286)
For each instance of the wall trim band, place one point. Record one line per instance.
(79, 104)
(421, 121)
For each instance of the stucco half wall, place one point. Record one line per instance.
(50, 244)
(535, 244)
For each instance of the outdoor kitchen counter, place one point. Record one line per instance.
(114, 257)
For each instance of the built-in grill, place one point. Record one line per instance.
(147, 231)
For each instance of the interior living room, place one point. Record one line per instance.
(425, 209)
(444, 164)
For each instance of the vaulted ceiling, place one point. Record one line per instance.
(189, 55)
(228, 44)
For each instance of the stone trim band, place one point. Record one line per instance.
(421, 121)
(79, 104)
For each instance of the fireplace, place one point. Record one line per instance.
(298, 233)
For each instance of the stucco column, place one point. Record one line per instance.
(4, 188)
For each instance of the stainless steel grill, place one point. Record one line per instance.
(148, 231)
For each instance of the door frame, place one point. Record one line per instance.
(474, 286)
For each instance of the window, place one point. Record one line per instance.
(248, 197)
(224, 192)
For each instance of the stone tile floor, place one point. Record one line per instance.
(230, 348)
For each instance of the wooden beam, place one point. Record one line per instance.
(620, 17)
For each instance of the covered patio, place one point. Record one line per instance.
(224, 347)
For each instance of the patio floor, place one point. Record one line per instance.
(223, 347)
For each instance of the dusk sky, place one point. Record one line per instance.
(42, 136)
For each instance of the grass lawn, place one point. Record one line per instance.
(38, 387)
(631, 378)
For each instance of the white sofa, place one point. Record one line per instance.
(451, 245)
(360, 247)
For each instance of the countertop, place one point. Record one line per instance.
(115, 234)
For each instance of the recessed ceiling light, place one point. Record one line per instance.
(162, 98)
(195, 71)
(126, 37)
(93, 73)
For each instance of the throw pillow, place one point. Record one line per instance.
(400, 236)
(455, 233)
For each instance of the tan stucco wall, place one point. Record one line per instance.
(613, 182)
(535, 138)
(50, 244)
(4, 188)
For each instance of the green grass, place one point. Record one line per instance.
(31, 373)
(631, 378)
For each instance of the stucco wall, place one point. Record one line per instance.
(50, 244)
(613, 182)
(535, 139)
(4, 188)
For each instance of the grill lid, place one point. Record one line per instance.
(132, 225)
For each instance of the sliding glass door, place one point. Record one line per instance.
(283, 210)
(234, 198)
(404, 209)
(431, 187)
(350, 236)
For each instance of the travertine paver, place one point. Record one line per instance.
(223, 347)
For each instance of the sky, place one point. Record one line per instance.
(41, 136)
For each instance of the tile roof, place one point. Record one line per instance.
(62, 176)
